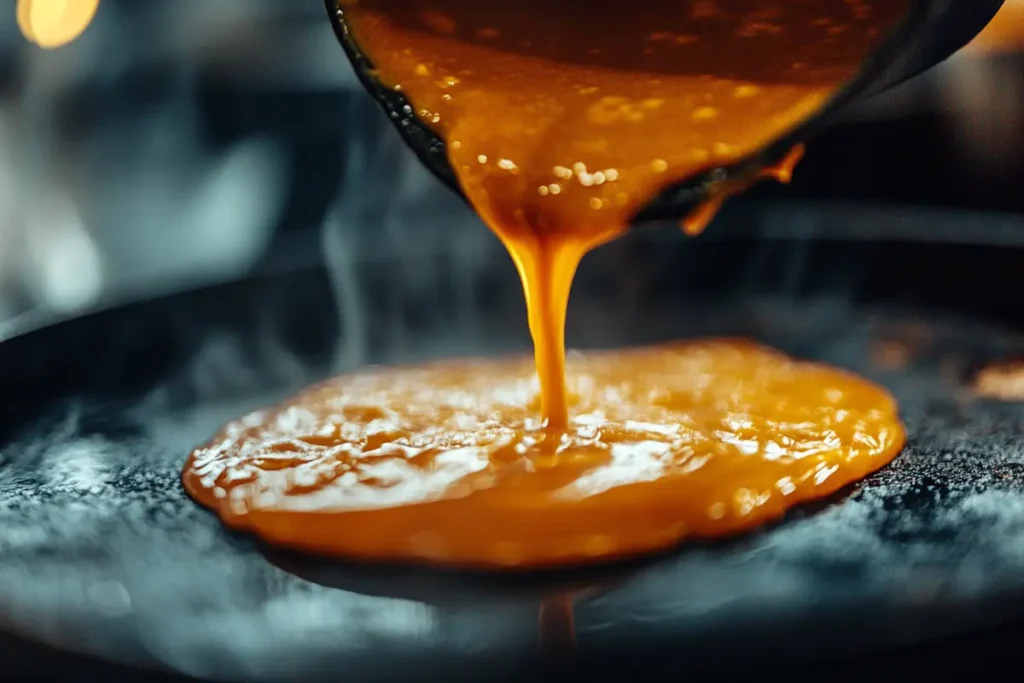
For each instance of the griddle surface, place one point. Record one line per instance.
(102, 553)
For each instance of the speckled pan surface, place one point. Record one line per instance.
(101, 552)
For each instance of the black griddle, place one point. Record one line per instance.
(103, 556)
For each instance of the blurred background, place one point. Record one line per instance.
(177, 144)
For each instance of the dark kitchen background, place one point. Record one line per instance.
(176, 144)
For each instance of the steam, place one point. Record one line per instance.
(399, 248)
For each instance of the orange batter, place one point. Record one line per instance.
(449, 463)
(561, 120)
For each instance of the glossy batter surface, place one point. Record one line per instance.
(448, 463)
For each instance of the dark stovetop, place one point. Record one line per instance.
(103, 553)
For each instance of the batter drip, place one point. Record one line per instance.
(448, 463)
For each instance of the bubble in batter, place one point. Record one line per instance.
(448, 464)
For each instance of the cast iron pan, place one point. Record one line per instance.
(102, 554)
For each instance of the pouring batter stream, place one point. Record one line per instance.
(561, 120)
